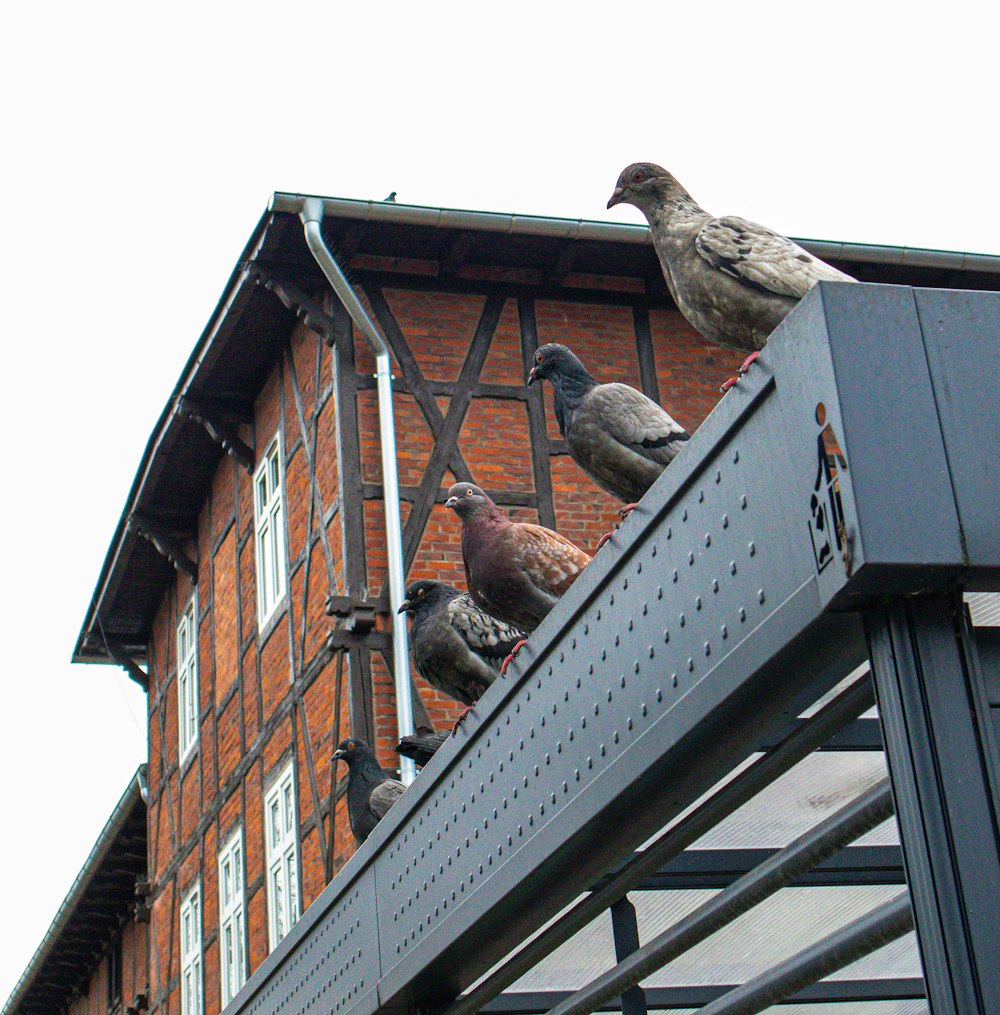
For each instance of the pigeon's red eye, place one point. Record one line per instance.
(350, 746)
(638, 176)
(539, 358)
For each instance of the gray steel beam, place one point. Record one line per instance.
(851, 821)
(941, 749)
(859, 938)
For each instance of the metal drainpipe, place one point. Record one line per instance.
(311, 214)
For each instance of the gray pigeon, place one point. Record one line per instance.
(516, 571)
(370, 792)
(732, 279)
(391, 199)
(422, 745)
(457, 647)
(619, 437)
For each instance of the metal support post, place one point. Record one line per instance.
(941, 751)
(626, 933)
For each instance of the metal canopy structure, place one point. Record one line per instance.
(829, 512)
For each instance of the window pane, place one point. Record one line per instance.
(288, 807)
(279, 904)
(293, 888)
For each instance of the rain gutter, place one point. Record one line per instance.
(614, 232)
(311, 211)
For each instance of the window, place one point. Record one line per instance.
(232, 937)
(270, 525)
(187, 679)
(282, 869)
(115, 974)
(191, 987)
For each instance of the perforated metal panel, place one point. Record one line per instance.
(328, 963)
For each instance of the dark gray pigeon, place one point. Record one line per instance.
(370, 792)
(732, 279)
(457, 646)
(516, 571)
(391, 199)
(619, 437)
(422, 745)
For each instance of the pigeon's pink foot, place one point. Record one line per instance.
(623, 514)
(744, 367)
(462, 717)
(510, 658)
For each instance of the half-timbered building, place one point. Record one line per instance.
(246, 586)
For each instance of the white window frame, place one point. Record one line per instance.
(269, 528)
(187, 680)
(280, 829)
(192, 984)
(232, 918)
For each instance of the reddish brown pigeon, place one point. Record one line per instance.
(515, 570)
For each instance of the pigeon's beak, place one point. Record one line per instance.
(338, 754)
(616, 197)
(532, 377)
(451, 502)
(405, 605)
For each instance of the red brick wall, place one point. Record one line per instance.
(251, 708)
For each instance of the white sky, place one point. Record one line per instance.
(142, 144)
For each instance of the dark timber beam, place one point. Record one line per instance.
(413, 375)
(352, 516)
(165, 544)
(293, 298)
(125, 661)
(446, 444)
(220, 432)
(540, 450)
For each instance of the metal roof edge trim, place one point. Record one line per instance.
(132, 795)
(620, 232)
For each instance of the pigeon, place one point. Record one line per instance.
(515, 571)
(422, 745)
(732, 279)
(391, 199)
(370, 792)
(619, 437)
(457, 647)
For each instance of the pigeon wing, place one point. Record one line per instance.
(551, 562)
(489, 638)
(383, 796)
(636, 422)
(762, 258)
